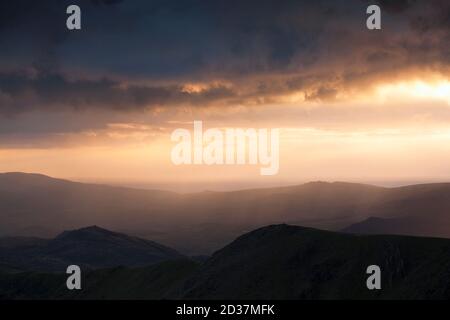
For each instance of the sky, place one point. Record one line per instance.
(99, 104)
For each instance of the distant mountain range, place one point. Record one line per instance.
(90, 248)
(274, 262)
(200, 223)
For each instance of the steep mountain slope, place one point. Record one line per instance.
(288, 262)
(90, 247)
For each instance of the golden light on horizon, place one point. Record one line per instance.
(416, 89)
(431, 86)
(361, 134)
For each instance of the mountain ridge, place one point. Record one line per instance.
(184, 221)
(273, 262)
(291, 262)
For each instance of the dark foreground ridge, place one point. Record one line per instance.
(274, 262)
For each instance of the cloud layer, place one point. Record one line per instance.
(141, 54)
(134, 60)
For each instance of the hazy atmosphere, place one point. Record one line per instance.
(267, 151)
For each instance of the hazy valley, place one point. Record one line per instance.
(200, 223)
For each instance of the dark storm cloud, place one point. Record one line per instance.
(396, 6)
(53, 92)
(133, 55)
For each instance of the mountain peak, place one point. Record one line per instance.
(93, 247)
(25, 175)
(268, 234)
(93, 230)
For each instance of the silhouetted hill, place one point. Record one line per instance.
(37, 205)
(289, 262)
(90, 247)
(199, 223)
(274, 262)
(375, 225)
(414, 224)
